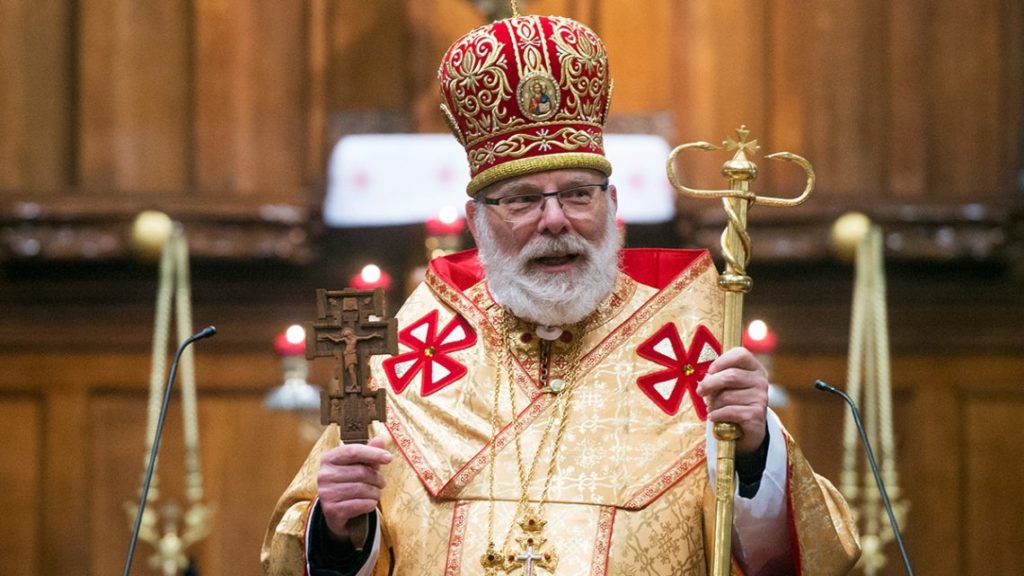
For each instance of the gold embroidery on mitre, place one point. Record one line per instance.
(453, 126)
(477, 84)
(584, 66)
(528, 43)
(520, 144)
(608, 101)
(527, 87)
(534, 164)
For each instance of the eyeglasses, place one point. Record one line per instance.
(575, 202)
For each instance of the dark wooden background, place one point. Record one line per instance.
(222, 115)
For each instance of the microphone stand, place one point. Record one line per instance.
(204, 333)
(820, 385)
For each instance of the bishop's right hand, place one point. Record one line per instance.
(349, 483)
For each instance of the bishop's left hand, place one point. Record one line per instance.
(736, 391)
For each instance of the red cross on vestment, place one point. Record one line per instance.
(684, 366)
(429, 354)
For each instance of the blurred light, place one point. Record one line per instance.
(370, 278)
(759, 339)
(757, 330)
(295, 334)
(291, 342)
(370, 273)
(448, 215)
(295, 394)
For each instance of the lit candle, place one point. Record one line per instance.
(291, 342)
(759, 339)
(370, 277)
(447, 223)
(296, 394)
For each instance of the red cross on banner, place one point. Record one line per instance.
(685, 367)
(429, 354)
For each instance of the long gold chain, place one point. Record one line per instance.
(526, 478)
(563, 403)
(493, 451)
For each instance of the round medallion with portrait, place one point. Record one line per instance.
(538, 97)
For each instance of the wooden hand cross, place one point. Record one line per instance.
(350, 327)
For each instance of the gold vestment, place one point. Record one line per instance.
(629, 492)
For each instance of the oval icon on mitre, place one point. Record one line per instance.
(537, 96)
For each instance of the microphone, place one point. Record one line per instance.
(204, 333)
(820, 385)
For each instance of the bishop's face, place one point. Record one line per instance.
(551, 258)
(513, 231)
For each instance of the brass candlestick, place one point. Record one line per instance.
(736, 251)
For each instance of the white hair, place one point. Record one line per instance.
(550, 299)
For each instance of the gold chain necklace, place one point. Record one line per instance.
(530, 520)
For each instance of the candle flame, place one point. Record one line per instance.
(757, 330)
(448, 215)
(295, 334)
(371, 273)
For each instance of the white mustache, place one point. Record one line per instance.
(550, 245)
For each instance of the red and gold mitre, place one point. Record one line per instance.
(527, 94)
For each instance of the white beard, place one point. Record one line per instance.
(550, 299)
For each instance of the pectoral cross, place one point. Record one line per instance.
(350, 327)
(528, 558)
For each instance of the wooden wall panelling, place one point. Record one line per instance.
(906, 119)
(827, 93)
(248, 458)
(251, 456)
(1012, 87)
(849, 124)
(117, 421)
(35, 86)
(200, 109)
(817, 420)
(929, 307)
(22, 426)
(66, 518)
(85, 415)
(135, 127)
(965, 122)
(432, 27)
(956, 423)
(639, 54)
(221, 94)
(318, 63)
(790, 90)
(369, 44)
(934, 523)
(717, 81)
(251, 97)
(992, 504)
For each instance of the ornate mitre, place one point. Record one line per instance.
(527, 94)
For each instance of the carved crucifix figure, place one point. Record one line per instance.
(350, 327)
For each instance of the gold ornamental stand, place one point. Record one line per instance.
(735, 282)
(869, 380)
(171, 531)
